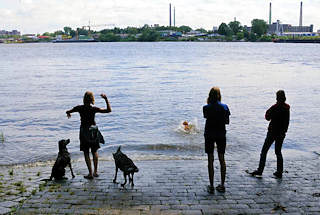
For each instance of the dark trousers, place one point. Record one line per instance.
(278, 139)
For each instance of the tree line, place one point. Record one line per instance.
(231, 31)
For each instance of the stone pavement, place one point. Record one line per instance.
(163, 187)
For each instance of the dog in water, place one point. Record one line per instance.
(126, 165)
(63, 160)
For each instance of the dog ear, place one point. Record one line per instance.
(67, 141)
(119, 149)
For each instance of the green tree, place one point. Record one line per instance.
(109, 37)
(202, 30)
(224, 29)
(259, 27)
(67, 30)
(235, 26)
(149, 35)
(184, 29)
(58, 33)
(240, 35)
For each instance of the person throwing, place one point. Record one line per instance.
(217, 116)
(279, 117)
(87, 116)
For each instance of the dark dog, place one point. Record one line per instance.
(63, 160)
(126, 165)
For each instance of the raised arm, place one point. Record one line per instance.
(105, 110)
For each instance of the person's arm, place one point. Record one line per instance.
(227, 116)
(287, 119)
(105, 110)
(268, 114)
(68, 112)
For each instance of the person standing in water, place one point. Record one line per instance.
(87, 116)
(217, 116)
(279, 117)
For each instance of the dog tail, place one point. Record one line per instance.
(133, 169)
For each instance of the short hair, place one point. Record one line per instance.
(88, 98)
(281, 96)
(214, 95)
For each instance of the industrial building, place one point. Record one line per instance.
(287, 29)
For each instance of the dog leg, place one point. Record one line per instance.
(115, 176)
(71, 170)
(125, 179)
(132, 185)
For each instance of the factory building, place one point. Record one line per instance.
(289, 30)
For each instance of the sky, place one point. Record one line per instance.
(39, 16)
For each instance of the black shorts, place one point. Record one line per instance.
(219, 140)
(86, 145)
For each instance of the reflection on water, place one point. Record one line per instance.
(152, 87)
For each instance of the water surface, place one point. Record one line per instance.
(152, 88)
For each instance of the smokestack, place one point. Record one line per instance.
(174, 16)
(270, 14)
(300, 21)
(170, 14)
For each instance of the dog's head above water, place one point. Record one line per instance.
(63, 144)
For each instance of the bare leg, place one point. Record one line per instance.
(210, 168)
(222, 168)
(88, 161)
(71, 170)
(95, 162)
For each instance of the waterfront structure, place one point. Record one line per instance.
(9, 33)
(300, 20)
(270, 14)
(170, 14)
(279, 29)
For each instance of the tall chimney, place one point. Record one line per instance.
(270, 14)
(300, 21)
(170, 14)
(174, 16)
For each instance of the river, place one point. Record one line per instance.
(152, 88)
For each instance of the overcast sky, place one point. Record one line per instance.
(39, 16)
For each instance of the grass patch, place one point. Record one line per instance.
(34, 191)
(38, 173)
(18, 183)
(9, 193)
(10, 172)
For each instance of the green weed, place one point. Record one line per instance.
(11, 172)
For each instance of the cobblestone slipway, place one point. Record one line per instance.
(164, 187)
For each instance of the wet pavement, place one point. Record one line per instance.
(164, 187)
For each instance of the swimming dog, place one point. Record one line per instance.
(126, 165)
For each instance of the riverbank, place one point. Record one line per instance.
(163, 187)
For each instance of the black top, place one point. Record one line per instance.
(279, 117)
(87, 114)
(217, 115)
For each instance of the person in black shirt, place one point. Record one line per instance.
(217, 116)
(279, 117)
(87, 114)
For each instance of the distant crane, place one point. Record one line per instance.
(94, 26)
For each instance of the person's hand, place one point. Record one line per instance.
(103, 95)
(68, 115)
